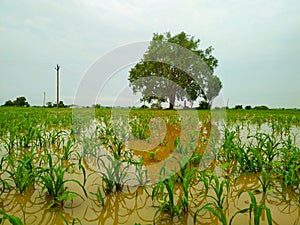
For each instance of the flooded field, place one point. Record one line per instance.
(162, 167)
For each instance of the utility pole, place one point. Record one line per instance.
(57, 84)
(44, 99)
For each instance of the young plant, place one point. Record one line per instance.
(186, 182)
(52, 179)
(257, 209)
(68, 149)
(167, 201)
(218, 212)
(141, 173)
(152, 154)
(21, 171)
(114, 173)
(264, 181)
(218, 188)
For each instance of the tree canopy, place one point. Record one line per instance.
(19, 101)
(174, 67)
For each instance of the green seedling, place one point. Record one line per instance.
(152, 154)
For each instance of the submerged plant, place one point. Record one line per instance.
(53, 180)
(114, 173)
(265, 181)
(167, 201)
(21, 171)
(256, 210)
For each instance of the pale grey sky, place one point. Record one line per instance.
(257, 43)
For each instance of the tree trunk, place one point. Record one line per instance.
(171, 101)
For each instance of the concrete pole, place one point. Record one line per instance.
(57, 84)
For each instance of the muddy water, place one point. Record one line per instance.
(134, 204)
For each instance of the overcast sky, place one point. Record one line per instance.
(257, 43)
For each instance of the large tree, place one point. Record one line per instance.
(174, 67)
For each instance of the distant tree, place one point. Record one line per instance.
(49, 104)
(170, 81)
(238, 107)
(97, 106)
(248, 107)
(204, 105)
(261, 107)
(61, 104)
(21, 101)
(9, 103)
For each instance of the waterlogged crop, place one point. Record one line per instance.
(51, 172)
(53, 180)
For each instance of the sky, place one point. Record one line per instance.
(257, 43)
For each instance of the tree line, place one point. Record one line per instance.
(19, 101)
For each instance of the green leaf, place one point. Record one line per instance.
(67, 196)
(225, 165)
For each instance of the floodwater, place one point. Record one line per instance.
(134, 204)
